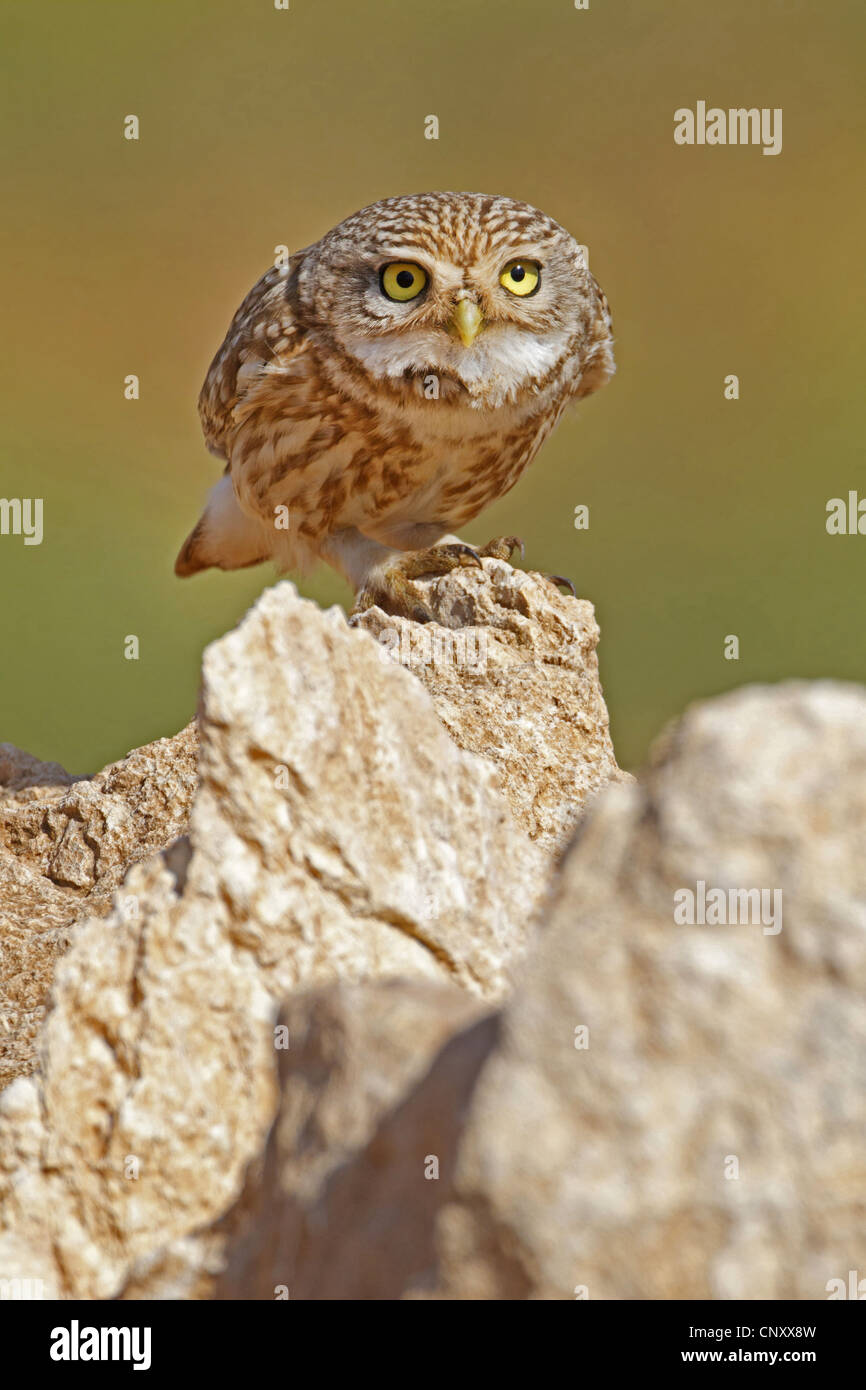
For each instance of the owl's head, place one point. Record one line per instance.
(488, 296)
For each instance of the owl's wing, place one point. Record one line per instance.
(598, 363)
(264, 327)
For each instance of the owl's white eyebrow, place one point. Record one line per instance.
(406, 252)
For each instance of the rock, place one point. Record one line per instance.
(512, 668)
(404, 1113)
(616, 1104)
(338, 833)
(705, 1143)
(21, 772)
(334, 1095)
(708, 1143)
(84, 833)
(338, 826)
(26, 1274)
(517, 684)
(65, 845)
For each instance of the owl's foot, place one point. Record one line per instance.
(439, 559)
(390, 586)
(502, 548)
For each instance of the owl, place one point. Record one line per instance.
(377, 392)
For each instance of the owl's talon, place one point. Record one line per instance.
(502, 548)
(391, 587)
(395, 595)
(561, 582)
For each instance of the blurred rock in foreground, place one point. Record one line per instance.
(360, 1034)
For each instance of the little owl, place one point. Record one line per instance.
(378, 391)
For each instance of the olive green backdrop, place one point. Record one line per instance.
(258, 126)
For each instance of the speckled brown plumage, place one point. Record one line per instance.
(371, 421)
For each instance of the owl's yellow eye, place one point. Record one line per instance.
(521, 277)
(402, 280)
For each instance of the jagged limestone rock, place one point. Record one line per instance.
(338, 833)
(512, 667)
(65, 845)
(512, 670)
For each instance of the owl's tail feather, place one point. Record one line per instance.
(224, 536)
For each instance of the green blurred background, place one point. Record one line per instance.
(707, 517)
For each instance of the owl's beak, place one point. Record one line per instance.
(466, 321)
